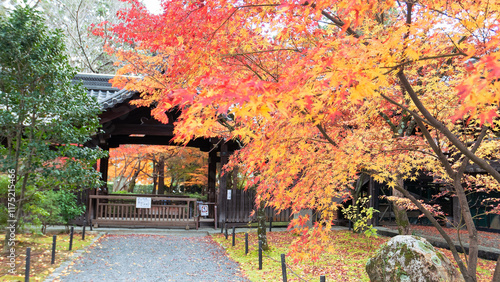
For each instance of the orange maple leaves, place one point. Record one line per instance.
(315, 89)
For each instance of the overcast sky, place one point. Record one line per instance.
(153, 6)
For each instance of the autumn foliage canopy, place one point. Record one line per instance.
(319, 91)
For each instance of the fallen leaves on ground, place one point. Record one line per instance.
(486, 239)
(41, 254)
(343, 260)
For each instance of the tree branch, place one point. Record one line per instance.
(325, 134)
(436, 224)
(415, 115)
(444, 130)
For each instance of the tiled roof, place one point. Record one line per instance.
(98, 86)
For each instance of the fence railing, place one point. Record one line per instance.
(122, 211)
(240, 207)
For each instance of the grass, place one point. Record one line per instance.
(344, 260)
(41, 254)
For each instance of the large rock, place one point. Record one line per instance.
(410, 258)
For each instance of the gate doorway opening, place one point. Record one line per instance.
(124, 123)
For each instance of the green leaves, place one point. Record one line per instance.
(45, 119)
(360, 214)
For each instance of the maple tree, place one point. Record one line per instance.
(127, 165)
(321, 91)
(167, 167)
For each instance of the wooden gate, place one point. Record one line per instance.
(122, 211)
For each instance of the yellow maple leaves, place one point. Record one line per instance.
(315, 90)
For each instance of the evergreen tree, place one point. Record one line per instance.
(44, 118)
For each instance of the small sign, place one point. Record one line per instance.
(229, 194)
(143, 203)
(204, 210)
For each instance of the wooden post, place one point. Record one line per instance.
(54, 238)
(71, 238)
(83, 231)
(374, 193)
(260, 255)
(103, 169)
(224, 155)
(90, 211)
(283, 267)
(246, 243)
(27, 270)
(234, 236)
(212, 173)
(215, 217)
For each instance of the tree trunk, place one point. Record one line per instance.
(131, 186)
(155, 177)
(441, 231)
(161, 175)
(6, 242)
(133, 180)
(496, 275)
(261, 227)
(471, 227)
(400, 213)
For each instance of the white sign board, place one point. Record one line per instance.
(143, 203)
(229, 194)
(204, 210)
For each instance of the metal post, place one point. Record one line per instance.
(225, 233)
(260, 255)
(27, 270)
(283, 267)
(322, 278)
(234, 236)
(270, 223)
(83, 231)
(246, 243)
(54, 238)
(71, 232)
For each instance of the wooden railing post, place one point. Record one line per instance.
(215, 215)
(89, 211)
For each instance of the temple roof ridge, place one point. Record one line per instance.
(99, 87)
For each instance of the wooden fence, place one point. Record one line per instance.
(168, 211)
(241, 205)
(122, 211)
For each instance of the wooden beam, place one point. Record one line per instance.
(117, 140)
(103, 169)
(374, 191)
(224, 156)
(147, 129)
(212, 173)
(116, 112)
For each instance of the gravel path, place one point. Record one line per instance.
(153, 258)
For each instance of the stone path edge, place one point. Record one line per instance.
(76, 254)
